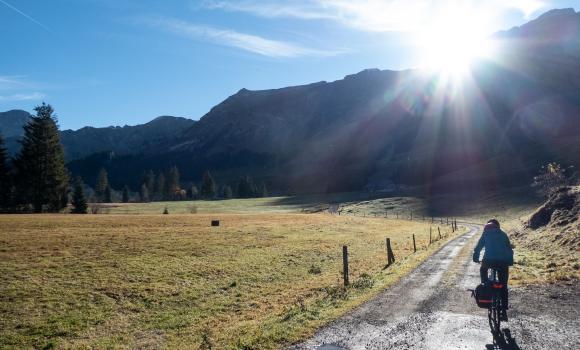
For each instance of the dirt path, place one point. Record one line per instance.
(430, 309)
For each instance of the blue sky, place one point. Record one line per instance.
(117, 62)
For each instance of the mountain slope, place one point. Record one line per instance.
(11, 123)
(88, 140)
(122, 140)
(492, 129)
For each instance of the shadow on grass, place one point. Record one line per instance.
(468, 203)
(313, 200)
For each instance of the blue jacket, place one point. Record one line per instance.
(497, 246)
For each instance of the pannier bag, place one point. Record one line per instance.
(483, 295)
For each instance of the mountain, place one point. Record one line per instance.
(88, 140)
(122, 140)
(377, 128)
(11, 123)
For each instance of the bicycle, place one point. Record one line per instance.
(492, 300)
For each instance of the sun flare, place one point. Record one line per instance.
(453, 41)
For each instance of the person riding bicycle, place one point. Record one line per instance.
(498, 254)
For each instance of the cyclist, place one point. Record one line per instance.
(498, 254)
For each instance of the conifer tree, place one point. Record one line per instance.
(42, 178)
(5, 180)
(144, 193)
(79, 201)
(227, 192)
(193, 192)
(264, 190)
(173, 186)
(102, 185)
(246, 188)
(108, 197)
(148, 179)
(159, 187)
(126, 194)
(208, 188)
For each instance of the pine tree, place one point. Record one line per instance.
(227, 192)
(193, 192)
(208, 188)
(159, 187)
(148, 179)
(246, 188)
(264, 190)
(144, 193)
(173, 187)
(108, 197)
(242, 189)
(79, 201)
(40, 169)
(64, 199)
(5, 180)
(126, 194)
(102, 185)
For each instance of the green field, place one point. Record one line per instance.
(504, 206)
(259, 281)
(293, 204)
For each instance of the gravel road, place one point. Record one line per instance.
(431, 309)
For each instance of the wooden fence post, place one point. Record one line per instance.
(430, 229)
(345, 264)
(397, 215)
(439, 230)
(432, 218)
(411, 216)
(414, 245)
(390, 255)
(387, 214)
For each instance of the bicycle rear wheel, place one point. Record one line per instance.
(493, 314)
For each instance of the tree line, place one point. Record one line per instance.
(167, 186)
(37, 180)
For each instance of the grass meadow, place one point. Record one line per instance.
(259, 281)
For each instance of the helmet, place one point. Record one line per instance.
(493, 222)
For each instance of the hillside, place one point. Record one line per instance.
(122, 140)
(11, 123)
(373, 129)
(548, 241)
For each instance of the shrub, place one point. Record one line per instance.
(314, 270)
(365, 281)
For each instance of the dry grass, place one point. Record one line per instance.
(540, 257)
(171, 281)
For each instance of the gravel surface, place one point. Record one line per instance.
(431, 309)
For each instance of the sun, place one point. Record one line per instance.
(453, 40)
